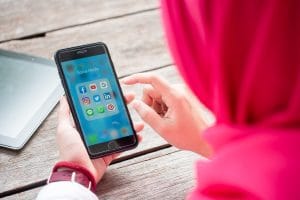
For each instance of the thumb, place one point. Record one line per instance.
(148, 114)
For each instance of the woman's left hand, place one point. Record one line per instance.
(71, 147)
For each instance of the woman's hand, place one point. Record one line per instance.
(71, 147)
(171, 112)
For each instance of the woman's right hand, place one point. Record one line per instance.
(171, 112)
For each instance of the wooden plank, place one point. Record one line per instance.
(28, 17)
(166, 174)
(169, 176)
(128, 39)
(29, 194)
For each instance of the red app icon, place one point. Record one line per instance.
(86, 100)
(110, 107)
(93, 87)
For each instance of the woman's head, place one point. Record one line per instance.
(242, 61)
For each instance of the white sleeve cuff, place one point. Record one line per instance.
(65, 190)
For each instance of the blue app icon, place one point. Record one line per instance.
(96, 98)
(107, 95)
(82, 89)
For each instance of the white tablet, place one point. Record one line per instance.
(29, 89)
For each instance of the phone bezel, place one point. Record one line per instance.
(72, 107)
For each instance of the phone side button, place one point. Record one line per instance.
(112, 145)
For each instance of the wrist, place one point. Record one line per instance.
(70, 171)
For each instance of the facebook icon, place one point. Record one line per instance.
(82, 89)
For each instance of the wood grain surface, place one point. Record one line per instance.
(128, 39)
(28, 17)
(169, 176)
(27, 195)
(165, 174)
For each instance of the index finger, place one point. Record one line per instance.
(157, 83)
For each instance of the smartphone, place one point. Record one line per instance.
(96, 99)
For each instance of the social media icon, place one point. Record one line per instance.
(110, 107)
(93, 87)
(86, 100)
(82, 89)
(96, 98)
(89, 112)
(106, 95)
(103, 84)
(100, 109)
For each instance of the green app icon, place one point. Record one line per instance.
(92, 138)
(100, 109)
(89, 112)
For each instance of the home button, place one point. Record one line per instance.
(112, 145)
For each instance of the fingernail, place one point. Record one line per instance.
(124, 80)
(136, 104)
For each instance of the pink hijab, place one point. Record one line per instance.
(242, 60)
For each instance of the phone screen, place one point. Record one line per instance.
(97, 99)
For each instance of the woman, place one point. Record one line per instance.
(241, 59)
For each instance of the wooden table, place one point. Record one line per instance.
(133, 32)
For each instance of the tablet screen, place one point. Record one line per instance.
(25, 87)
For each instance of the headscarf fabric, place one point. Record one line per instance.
(242, 60)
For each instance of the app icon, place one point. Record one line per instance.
(124, 131)
(93, 87)
(103, 84)
(107, 95)
(114, 133)
(100, 109)
(92, 138)
(86, 100)
(96, 98)
(110, 107)
(82, 89)
(70, 68)
(104, 135)
(89, 112)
